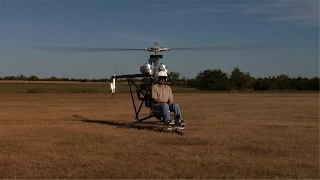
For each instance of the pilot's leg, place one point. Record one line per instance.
(176, 109)
(164, 108)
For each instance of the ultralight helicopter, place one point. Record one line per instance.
(149, 72)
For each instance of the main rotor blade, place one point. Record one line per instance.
(245, 47)
(82, 49)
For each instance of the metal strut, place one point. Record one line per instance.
(142, 101)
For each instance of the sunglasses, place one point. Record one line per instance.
(162, 78)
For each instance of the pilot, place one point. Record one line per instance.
(163, 100)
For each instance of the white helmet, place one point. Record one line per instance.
(162, 73)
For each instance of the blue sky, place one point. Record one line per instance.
(292, 24)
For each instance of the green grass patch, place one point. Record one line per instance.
(121, 87)
(75, 88)
(55, 88)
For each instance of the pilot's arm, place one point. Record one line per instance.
(157, 100)
(170, 97)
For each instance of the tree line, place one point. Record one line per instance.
(217, 80)
(35, 78)
(213, 80)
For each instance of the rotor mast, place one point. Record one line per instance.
(156, 65)
(155, 59)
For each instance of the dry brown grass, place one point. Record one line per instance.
(227, 136)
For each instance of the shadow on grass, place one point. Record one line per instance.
(151, 126)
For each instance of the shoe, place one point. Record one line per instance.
(178, 120)
(167, 122)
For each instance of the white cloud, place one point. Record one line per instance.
(184, 12)
(299, 12)
(208, 10)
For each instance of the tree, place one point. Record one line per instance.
(192, 83)
(212, 80)
(262, 84)
(21, 77)
(52, 78)
(9, 78)
(63, 79)
(33, 78)
(284, 82)
(240, 80)
(182, 81)
(174, 77)
(314, 83)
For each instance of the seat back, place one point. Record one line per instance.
(148, 100)
(147, 97)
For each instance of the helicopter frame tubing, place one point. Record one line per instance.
(144, 100)
(146, 96)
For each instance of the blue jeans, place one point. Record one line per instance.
(165, 110)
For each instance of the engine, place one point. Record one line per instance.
(163, 67)
(147, 68)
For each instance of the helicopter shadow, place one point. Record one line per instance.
(150, 126)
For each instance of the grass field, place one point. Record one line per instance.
(69, 135)
(10, 87)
